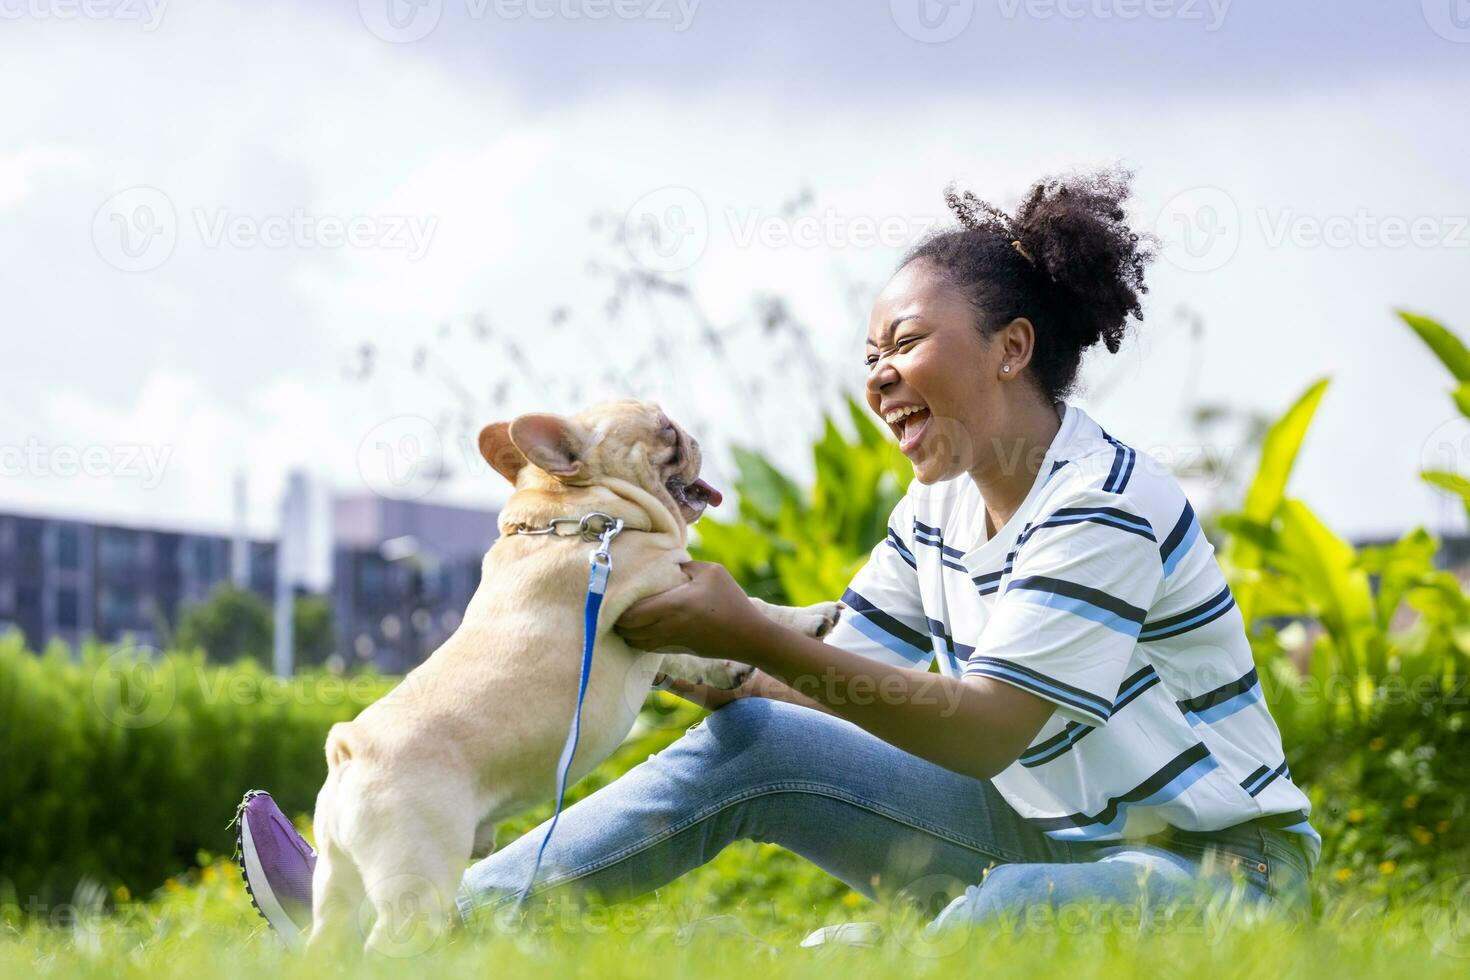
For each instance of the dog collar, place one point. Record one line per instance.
(589, 527)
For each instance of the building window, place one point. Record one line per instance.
(68, 547)
(66, 609)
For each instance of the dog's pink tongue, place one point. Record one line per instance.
(714, 496)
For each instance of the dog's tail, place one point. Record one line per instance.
(339, 745)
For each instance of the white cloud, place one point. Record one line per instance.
(20, 169)
(235, 356)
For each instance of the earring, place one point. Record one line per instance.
(1006, 368)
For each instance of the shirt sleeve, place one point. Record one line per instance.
(1065, 625)
(884, 618)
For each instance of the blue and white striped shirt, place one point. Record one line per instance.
(1102, 596)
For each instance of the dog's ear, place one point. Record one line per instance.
(500, 452)
(552, 443)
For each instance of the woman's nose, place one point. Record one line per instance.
(881, 376)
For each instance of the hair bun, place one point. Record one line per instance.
(1076, 231)
(1067, 261)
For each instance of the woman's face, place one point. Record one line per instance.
(930, 373)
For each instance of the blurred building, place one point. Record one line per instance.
(64, 579)
(402, 573)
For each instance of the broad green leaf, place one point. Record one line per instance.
(1326, 569)
(1263, 499)
(761, 486)
(1279, 452)
(1445, 345)
(1452, 482)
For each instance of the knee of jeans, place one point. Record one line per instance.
(755, 731)
(1013, 886)
(1006, 890)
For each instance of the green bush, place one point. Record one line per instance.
(798, 546)
(123, 769)
(232, 623)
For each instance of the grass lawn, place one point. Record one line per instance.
(747, 912)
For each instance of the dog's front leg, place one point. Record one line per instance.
(484, 844)
(721, 674)
(815, 620)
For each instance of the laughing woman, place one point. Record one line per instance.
(1096, 730)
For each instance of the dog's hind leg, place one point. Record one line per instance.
(337, 898)
(336, 887)
(412, 847)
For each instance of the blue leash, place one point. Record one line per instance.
(598, 572)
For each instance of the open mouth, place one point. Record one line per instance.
(693, 498)
(909, 424)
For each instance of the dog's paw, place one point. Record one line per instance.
(726, 675)
(484, 844)
(817, 620)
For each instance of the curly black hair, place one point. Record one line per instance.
(1067, 261)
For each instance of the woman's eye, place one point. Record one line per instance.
(905, 342)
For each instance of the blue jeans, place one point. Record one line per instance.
(870, 814)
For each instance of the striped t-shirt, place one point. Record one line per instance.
(1102, 596)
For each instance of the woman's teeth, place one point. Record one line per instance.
(911, 425)
(893, 417)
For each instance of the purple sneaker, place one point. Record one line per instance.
(276, 863)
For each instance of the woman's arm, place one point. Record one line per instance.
(977, 726)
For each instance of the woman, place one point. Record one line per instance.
(1096, 729)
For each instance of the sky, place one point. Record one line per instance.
(252, 237)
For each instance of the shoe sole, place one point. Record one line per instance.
(257, 885)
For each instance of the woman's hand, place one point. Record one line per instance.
(709, 615)
(711, 698)
(757, 685)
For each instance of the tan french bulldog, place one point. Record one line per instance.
(473, 734)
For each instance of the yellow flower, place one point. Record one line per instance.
(1377, 744)
(1422, 835)
(1387, 867)
(1411, 801)
(172, 885)
(121, 893)
(1442, 826)
(1343, 874)
(1355, 816)
(209, 873)
(852, 899)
